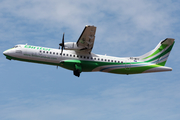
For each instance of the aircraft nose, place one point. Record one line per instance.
(5, 52)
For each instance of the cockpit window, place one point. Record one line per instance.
(15, 46)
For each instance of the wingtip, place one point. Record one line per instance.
(89, 26)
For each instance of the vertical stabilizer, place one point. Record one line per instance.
(160, 53)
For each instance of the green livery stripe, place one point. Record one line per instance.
(162, 47)
(162, 63)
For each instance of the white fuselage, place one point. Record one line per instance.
(53, 56)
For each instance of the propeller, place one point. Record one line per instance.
(62, 44)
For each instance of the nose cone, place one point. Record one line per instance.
(5, 52)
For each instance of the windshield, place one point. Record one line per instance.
(15, 46)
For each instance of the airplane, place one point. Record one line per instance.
(77, 56)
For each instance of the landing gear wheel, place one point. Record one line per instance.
(77, 72)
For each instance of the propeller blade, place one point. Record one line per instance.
(63, 39)
(62, 44)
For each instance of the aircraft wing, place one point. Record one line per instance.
(86, 40)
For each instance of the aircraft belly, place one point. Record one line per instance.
(134, 69)
(87, 66)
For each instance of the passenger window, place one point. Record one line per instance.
(80, 56)
(50, 52)
(43, 51)
(108, 60)
(56, 53)
(94, 58)
(60, 54)
(67, 55)
(53, 52)
(87, 57)
(63, 54)
(84, 57)
(40, 51)
(98, 59)
(47, 52)
(121, 61)
(105, 60)
(111, 60)
(101, 59)
(74, 56)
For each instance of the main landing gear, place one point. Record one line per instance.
(77, 72)
(77, 69)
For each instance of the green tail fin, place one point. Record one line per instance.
(160, 53)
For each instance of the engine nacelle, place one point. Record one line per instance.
(71, 46)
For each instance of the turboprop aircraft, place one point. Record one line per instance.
(77, 56)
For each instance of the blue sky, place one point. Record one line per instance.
(124, 28)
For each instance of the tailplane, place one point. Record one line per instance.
(160, 53)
